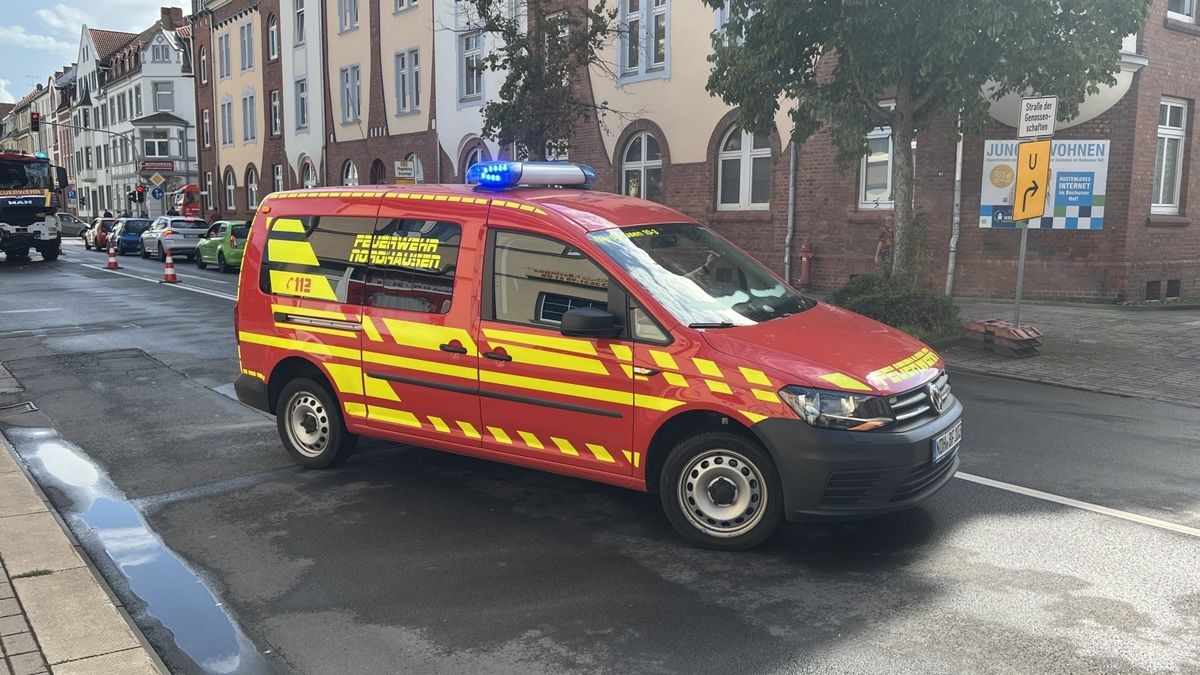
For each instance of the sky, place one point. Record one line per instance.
(37, 38)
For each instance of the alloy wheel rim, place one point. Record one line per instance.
(722, 493)
(307, 424)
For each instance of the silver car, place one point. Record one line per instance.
(178, 233)
(70, 226)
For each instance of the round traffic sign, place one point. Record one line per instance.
(157, 193)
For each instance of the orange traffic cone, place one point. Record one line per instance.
(169, 270)
(112, 260)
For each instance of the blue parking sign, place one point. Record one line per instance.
(157, 193)
(72, 194)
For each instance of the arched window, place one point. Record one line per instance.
(378, 173)
(308, 175)
(252, 188)
(473, 157)
(349, 173)
(744, 171)
(203, 66)
(641, 168)
(272, 38)
(418, 170)
(230, 191)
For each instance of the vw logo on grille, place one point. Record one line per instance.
(937, 397)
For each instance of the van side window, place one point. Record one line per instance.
(536, 280)
(413, 264)
(318, 257)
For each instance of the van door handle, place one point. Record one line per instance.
(453, 348)
(498, 356)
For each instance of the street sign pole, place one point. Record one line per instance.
(1037, 117)
(1020, 276)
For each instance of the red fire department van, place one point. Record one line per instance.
(531, 321)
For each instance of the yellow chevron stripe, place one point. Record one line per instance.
(753, 417)
(768, 396)
(421, 365)
(355, 409)
(377, 388)
(622, 352)
(845, 382)
(499, 435)
(294, 252)
(675, 379)
(564, 446)
(755, 376)
(318, 348)
(370, 329)
(628, 457)
(439, 424)
(531, 440)
(541, 357)
(287, 225)
(427, 336)
(346, 379)
(578, 391)
(718, 387)
(663, 359)
(468, 429)
(402, 417)
(551, 342)
(600, 453)
(707, 367)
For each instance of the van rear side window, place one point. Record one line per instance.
(413, 265)
(317, 257)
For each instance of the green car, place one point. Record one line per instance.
(222, 245)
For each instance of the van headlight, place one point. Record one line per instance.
(838, 409)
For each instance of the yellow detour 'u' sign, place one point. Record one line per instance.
(1033, 174)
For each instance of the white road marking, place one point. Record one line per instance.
(1086, 506)
(180, 286)
(40, 309)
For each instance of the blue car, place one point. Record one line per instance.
(127, 234)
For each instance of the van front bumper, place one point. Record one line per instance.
(841, 475)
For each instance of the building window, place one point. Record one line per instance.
(473, 157)
(275, 119)
(299, 38)
(349, 173)
(347, 14)
(350, 94)
(402, 5)
(308, 175)
(87, 164)
(208, 190)
(224, 60)
(278, 178)
(744, 171)
(249, 119)
(203, 66)
(227, 123)
(408, 81)
(471, 66)
(1182, 10)
(641, 168)
(1168, 157)
(643, 36)
(230, 192)
(164, 96)
(246, 45)
(272, 38)
(301, 104)
(252, 188)
(160, 53)
(156, 144)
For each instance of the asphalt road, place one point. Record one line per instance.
(409, 560)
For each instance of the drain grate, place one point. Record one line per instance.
(15, 409)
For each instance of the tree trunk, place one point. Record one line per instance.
(904, 237)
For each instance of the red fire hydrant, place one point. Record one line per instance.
(806, 256)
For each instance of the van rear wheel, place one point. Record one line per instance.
(311, 426)
(720, 490)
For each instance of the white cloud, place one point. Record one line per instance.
(6, 95)
(17, 36)
(64, 18)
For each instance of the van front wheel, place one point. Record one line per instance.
(721, 490)
(311, 426)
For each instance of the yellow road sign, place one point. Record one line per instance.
(1033, 174)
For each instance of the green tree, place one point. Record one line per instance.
(541, 50)
(835, 60)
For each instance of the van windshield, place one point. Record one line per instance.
(699, 277)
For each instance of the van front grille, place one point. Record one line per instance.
(914, 406)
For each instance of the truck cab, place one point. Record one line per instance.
(28, 204)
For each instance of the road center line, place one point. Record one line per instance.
(1086, 506)
(40, 309)
(182, 287)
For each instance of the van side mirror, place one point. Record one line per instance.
(60, 178)
(589, 322)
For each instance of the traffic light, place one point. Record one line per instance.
(35, 121)
(140, 192)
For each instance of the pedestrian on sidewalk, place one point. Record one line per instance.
(883, 250)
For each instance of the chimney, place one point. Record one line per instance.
(171, 17)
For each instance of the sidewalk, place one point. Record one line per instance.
(1147, 353)
(55, 615)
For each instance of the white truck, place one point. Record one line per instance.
(29, 202)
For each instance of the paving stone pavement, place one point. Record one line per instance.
(20, 653)
(1146, 353)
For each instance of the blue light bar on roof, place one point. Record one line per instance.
(500, 175)
(42, 155)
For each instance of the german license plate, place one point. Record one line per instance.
(947, 442)
(190, 236)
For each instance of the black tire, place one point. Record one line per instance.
(142, 250)
(49, 254)
(87, 245)
(200, 264)
(222, 266)
(304, 402)
(162, 254)
(741, 503)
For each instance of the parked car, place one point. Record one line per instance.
(223, 245)
(126, 236)
(96, 236)
(177, 233)
(70, 226)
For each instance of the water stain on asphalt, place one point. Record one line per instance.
(173, 594)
